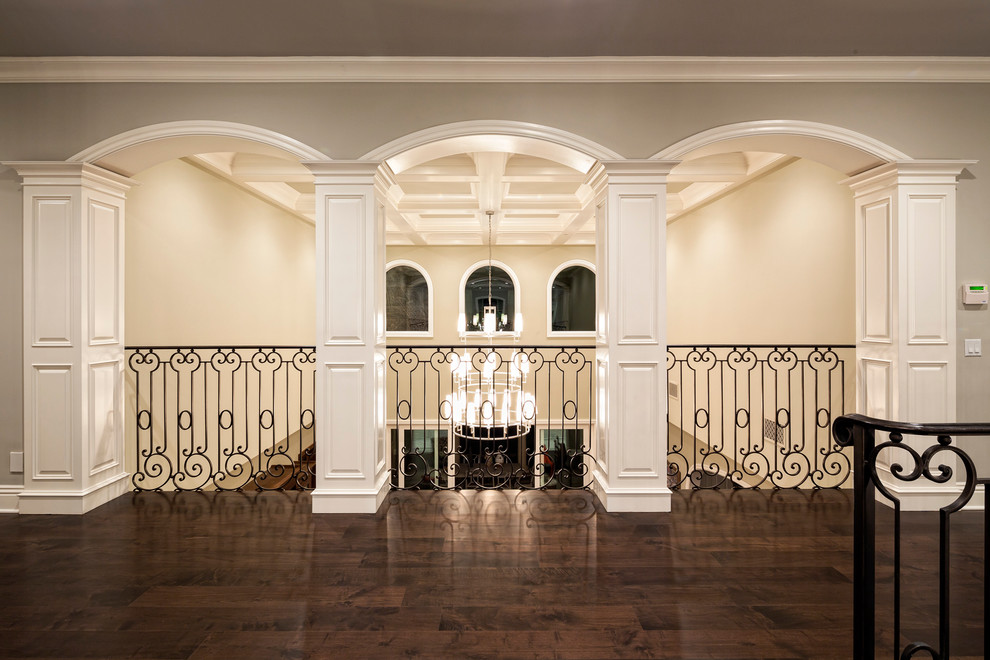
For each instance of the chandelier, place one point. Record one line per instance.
(489, 401)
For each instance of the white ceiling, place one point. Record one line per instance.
(445, 200)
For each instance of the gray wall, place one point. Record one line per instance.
(53, 122)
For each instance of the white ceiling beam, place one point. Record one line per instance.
(574, 224)
(254, 167)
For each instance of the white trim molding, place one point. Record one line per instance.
(429, 293)
(517, 137)
(777, 127)
(196, 128)
(553, 278)
(9, 498)
(88, 69)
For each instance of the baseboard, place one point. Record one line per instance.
(351, 500)
(71, 502)
(631, 500)
(8, 498)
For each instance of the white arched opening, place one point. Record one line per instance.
(904, 261)
(73, 301)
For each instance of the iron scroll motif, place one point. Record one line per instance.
(751, 416)
(429, 452)
(223, 418)
(928, 454)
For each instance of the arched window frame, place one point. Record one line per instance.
(429, 294)
(553, 278)
(516, 322)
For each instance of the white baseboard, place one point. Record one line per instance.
(350, 500)
(8, 498)
(72, 502)
(631, 500)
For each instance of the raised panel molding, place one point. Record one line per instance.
(638, 262)
(51, 271)
(876, 267)
(346, 275)
(104, 274)
(928, 391)
(104, 415)
(926, 269)
(602, 411)
(52, 423)
(639, 398)
(345, 407)
(877, 394)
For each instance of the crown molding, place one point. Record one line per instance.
(493, 69)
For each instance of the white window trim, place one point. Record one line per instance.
(553, 277)
(429, 293)
(518, 297)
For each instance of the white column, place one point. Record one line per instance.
(631, 374)
(351, 458)
(906, 295)
(73, 336)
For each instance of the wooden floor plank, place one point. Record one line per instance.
(741, 574)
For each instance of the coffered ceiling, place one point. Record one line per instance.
(445, 200)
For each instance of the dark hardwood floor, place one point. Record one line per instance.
(744, 574)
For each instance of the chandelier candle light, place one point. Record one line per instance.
(488, 396)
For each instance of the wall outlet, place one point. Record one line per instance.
(16, 462)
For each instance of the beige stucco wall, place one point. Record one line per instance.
(771, 262)
(53, 122)
(208, 263)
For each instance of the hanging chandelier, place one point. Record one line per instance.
(489, 401)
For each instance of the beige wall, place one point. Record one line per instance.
(208, 263)
(771, 262)
(532, 265)
(11, 355)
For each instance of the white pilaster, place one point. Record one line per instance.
(351, 468)
(906, 300)
(73, 336)
(631, 442)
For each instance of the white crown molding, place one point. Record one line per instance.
(494, 69)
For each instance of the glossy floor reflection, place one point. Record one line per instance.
(746, 574)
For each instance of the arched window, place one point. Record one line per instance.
(408, 300)
(571, 300)
(504, 298)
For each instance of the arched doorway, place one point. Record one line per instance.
(74, 302)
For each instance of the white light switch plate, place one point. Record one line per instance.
(972, 347)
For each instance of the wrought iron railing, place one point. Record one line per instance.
(929, 454)
(749, 416)
(222, 418)
(427, 451)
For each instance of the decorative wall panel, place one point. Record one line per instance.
(926, 272)
(876, 387)
(876, 300)
(104, 417)
(345, 268)
(928, 385)
(104, 274)
(51, 272)
(51, 422)
(638, 272)
(345, 406)
(639, 392)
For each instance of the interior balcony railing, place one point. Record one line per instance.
(547, 444)
(919, 577)
(222, 418)
(749, 416)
